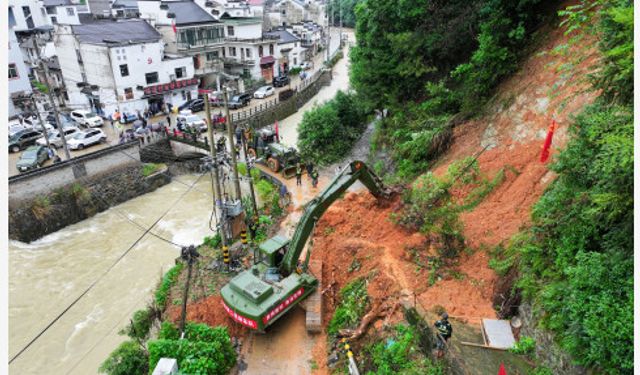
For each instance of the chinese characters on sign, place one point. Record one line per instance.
(283, 305)
(158, 89)
(239, 318)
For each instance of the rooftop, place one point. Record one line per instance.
(53, 3)
(189, 13)
(283, 36)
(125, 4)
(104, 31)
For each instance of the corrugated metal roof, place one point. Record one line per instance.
(189, 13)
(53, 3)
(121, 31)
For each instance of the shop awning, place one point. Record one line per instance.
(267, 60)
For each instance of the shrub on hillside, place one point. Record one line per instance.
(128, 358)
(327, 132)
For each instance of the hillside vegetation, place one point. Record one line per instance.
(434, 64)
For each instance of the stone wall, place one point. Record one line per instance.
(288, 107)
(548, 353)
(41, 181)
(53, 210)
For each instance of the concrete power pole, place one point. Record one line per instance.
(44, 130)
(216, 186)
(45, 72)
(230, 135)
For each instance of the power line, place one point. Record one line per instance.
(102, 275)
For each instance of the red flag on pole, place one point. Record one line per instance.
(173, 26)
(502, 370)
(547, 142)
(277, 135)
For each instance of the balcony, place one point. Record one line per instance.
(199, 44)
(264, 39)
(209, 67)
(235, 61)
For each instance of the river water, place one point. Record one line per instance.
(48, 275)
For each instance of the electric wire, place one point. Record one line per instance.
(60, 315)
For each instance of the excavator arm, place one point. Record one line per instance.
(356, 171)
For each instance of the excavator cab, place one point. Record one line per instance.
(271, 252)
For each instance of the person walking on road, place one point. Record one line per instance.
(314, 178)
(309, 166)
(298, 174)
(443, 334)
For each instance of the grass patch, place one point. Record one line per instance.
(168, 280)
(354, 301)
(151, 168)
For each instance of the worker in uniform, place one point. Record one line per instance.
(298, 174)
(443, 333)
(314, 178)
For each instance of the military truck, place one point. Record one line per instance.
(277, 282)
(263, 145)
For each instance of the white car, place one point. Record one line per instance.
(16, 127)
(82, 139)
(86, 118)
(263, 92)
(54, 137)
(191, 121)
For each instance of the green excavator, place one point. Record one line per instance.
(257, 297)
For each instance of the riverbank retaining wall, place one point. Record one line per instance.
(51, 211)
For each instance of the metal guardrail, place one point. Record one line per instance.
(72, 161)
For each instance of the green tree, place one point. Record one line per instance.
(128, 359)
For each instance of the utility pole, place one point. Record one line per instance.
(45, 72)
(44, 130)
(249, 167)
(340, 10)
(230, 131)
(328, 30)
(217, 190)
(189, 255)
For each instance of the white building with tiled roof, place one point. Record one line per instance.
(110, 65)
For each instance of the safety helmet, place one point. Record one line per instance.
(445, 316)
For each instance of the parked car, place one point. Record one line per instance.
(86, 118)
(23, 139)
(263, 92)
(32, 158)
(54, 137)
(64, 118)
(189, 120)
(16, 127)
(238, 101)
(280, 81)
(127, 118)
(86, 138)
(195, 105)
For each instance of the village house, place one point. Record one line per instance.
(310, 35)
(111, 65)
(19, 84)
(187, 29)
(289, 51)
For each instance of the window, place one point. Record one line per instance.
(13, 71)
(54, 20)
(181, 72)
(271, 49)
(52, 10)
(128, 93)
(212, 55)
(230, 31)
(295, 61)
(248, 53)
(44, 14)
(26, 11)
(119, 13)
(70, 12)
(151, 77)
(232, 51)
(260, 51)
(124, 70)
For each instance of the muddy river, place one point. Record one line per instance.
(48, 275)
